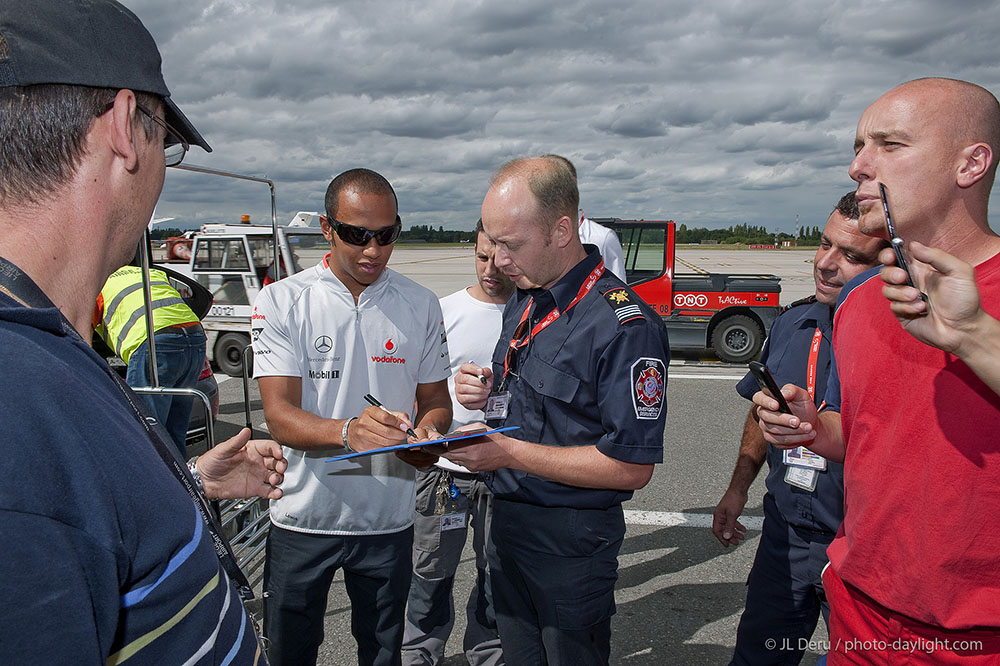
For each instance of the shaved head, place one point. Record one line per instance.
(971, 111)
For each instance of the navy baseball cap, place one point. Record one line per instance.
(96, 43)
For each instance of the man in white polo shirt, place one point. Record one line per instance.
(324, 338)
(450, 497)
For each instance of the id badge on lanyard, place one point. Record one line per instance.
(496, 405)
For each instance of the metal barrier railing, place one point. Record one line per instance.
(206, 403)
(245, 522)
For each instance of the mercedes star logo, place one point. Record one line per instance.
(324, 344)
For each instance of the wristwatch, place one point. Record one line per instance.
(343, 434)
(192, 466)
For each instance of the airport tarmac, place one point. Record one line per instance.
(445, 269)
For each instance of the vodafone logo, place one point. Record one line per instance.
(389, 356)
(690, 300)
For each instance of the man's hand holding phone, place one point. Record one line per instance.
(787, 430)
(766, 382)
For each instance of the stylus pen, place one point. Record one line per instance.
(373, 401)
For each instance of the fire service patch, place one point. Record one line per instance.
(649, 383)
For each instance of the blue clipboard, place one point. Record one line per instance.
(443, 440)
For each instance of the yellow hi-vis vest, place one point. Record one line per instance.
(120, 317)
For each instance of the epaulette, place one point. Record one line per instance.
(621, 301)
(802, 301)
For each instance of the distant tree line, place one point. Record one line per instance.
(746, 234)
(424, 233)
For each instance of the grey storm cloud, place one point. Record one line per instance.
(706, 113)
(632, 121)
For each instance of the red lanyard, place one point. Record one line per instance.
(516, 344)
(813, 361)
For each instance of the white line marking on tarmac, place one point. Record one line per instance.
(678, 519)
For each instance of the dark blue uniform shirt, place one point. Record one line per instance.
(596, 376)
(786, 354)
(103, 547)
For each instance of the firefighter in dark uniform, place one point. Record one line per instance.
(803, 506)
(581, 369)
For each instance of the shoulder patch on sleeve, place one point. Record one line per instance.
(624, 304)
(649, 384)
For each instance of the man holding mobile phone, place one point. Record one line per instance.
(915, 427)
(803, 506)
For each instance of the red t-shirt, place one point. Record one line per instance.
(922, 471)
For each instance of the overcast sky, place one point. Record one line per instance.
(707, 113)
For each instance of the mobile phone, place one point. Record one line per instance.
(767, 383)
(896, 241)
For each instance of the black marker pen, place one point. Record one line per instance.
(373, 401)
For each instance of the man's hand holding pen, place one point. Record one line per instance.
(377, 428)
(380, 424)
(473, 385)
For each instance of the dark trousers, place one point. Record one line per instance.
(554, 573)
(784, 593)
(297, 576)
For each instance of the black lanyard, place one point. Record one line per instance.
(22, 289)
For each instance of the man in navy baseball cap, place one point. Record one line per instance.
(110, 552)
(92, 43)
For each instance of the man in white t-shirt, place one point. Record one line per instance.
(472, 318)
(323, 339)
(606, 241)
(593, 233)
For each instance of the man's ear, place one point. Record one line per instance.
(326, 228)
(122, 129)
(563, 231)
(975, 161)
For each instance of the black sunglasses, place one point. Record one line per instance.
(353, 235)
